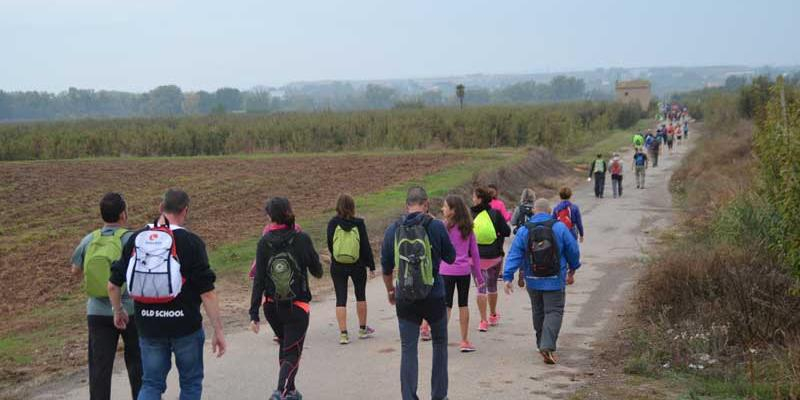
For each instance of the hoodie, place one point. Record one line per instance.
(618, 160)
(498, 205)
(568, 253)
(365, 258)
(494, 250)
(574, 215)
(468, 259)
(303, 252)
(441, 249)
(180, 316)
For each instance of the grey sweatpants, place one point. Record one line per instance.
(640, 176)
(548, 311)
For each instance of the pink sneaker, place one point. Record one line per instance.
(466, 347)
(494, 320)
(425, 333)
(483, 326)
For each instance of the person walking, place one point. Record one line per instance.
(569, 213)
(522, 213)
(597, 171)
(686, 128)
(490, 230)
(165, 269)
(655, 149)
(457, 275)
(615, 166)
(670, 137)
(496, 203)
(549, 255)
(524, 209)
(284, 258)
(351, 256)
(415, 245)
(640, 166)
(662, 134)
(92, 260)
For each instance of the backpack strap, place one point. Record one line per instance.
(120, 232)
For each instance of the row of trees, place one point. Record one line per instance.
(555, 126)
(335, 96)
(161, 101)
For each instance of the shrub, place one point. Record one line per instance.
(562, 126)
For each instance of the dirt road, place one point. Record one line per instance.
(505, 363)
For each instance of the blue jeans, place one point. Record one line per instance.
(409, 362)
(157, 361)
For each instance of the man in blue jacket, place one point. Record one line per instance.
(546, 292)
(431, 307)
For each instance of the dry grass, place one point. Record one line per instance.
(714, 316)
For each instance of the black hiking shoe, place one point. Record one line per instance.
(276, 395)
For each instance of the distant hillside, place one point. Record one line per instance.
(480, 89)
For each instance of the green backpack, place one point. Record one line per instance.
(483, 227)
(284, 271)
(100, 253)
(346, 245)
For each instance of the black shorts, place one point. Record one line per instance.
(451, 282)
(356, 273)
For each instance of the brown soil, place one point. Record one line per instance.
(46, 207)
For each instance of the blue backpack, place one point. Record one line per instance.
(639, 159)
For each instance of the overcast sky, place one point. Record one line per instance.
(205, 44)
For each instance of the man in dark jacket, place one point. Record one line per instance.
(597, 169)
(174, 327)
(431, 308)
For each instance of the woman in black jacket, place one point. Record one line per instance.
(351, 255)
(284, 257)
(486, 219)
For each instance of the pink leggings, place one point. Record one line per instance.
(490, 276)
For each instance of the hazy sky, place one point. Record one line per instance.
(205, 44)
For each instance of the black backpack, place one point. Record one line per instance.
(524, 212)
(284, 271)
(412, 256)
(542, 249)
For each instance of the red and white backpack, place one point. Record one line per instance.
(154, 272)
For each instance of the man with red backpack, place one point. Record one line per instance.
(165, 270)
(615, 166)
(569, 214)
(549, 255)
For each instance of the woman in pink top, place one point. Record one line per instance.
(498, 204)
(457, 275)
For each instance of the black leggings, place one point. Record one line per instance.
(290, 323)
(357, 273)
(450, 284)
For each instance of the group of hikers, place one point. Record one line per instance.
(147, 286)
(647, 149)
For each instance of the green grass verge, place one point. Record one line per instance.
(617, 140)
(237, 257)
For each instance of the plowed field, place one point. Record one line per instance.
(46, 207)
